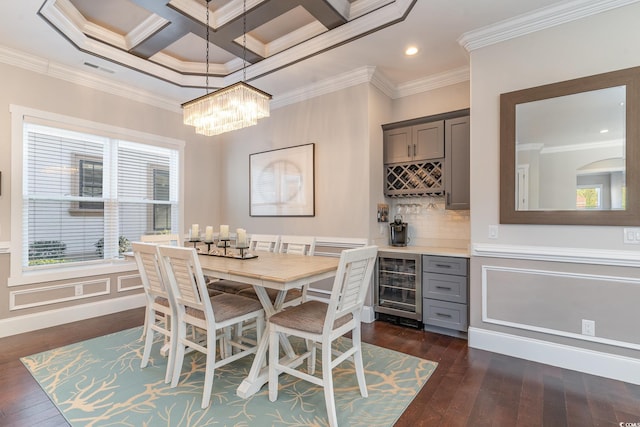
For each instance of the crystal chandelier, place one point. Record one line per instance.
(233, 107)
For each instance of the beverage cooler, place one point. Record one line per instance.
(398, 295)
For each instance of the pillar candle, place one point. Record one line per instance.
(195, 231)
(242, 237)
(208, 234)
(224, 232)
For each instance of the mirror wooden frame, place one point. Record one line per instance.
(630, 78)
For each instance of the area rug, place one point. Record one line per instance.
(99, 382)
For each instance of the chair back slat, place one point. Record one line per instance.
(353, 277)
(185, 277)
(264, 242)
(161, 239)
(301, 245)
(149, 268)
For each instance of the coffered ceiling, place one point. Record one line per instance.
(157, 48)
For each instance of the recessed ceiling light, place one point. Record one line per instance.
(604, 131)
(412, 50)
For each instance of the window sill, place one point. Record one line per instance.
(74, 272)
(86, 212)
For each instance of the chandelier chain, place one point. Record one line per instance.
(207, 56)
(244, 41)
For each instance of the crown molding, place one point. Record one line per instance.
(537, 20)
(73, 75)
(361, 75)
(339, 82)
(432, 82)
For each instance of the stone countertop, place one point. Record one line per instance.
(427, 250)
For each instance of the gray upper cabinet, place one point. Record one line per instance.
(456, 163)
(414, 143)
(429, 156)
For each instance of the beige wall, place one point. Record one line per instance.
(41, 92)
(562, 298)
(338, 125)
(436, 101)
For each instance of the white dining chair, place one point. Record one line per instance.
(258, 242)
(323, 323)
(212, 315)
(264, 242)
(161, 239)
(301, 245)
(159, 313)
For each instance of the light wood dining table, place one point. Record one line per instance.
(269, 270)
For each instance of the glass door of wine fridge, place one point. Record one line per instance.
(398, 285)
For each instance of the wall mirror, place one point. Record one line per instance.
(568, 152)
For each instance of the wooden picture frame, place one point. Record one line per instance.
(282, 182)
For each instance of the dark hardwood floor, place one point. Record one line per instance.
(469, 388)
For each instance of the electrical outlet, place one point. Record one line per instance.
(588, 327)
(632, 236)
(493, 231)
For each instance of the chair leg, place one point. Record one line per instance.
(172, 348)
(274, 354)
(148, 337)
(311, 361)
(210, 367)
(146, 322)
(179, 336)
(357, 360)
(327, 383)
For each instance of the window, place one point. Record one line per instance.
(88, 192)
(161, 213)
(90, 177)
(589, 197)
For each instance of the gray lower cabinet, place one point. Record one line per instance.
(445, 292)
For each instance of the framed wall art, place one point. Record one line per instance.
(282, 182)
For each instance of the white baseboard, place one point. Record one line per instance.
(606, 365)
(368, 315)
(46, 319)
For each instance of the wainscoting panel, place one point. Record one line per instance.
(129, 282)
(40, 296)
(556, 302)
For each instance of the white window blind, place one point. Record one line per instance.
(87, 196)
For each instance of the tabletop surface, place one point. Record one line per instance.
(272, 267)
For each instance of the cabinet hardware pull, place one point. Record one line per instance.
(408, 151)
(443, 266)
(443, 315)
(414, 150)
(443, 287)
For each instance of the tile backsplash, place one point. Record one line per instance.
(430, 224)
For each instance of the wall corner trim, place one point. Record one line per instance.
(558, 254)
(606, 365)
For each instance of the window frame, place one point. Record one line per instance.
(21, 115)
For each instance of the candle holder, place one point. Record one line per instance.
(225, 244)
(208, 243)
(194, 241)
(242, 249)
